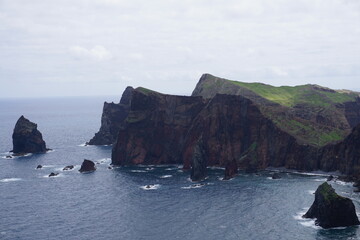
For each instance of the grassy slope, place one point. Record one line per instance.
(311, 95)
(290, 96)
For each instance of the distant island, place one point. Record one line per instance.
(236, 125)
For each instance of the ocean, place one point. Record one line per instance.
(117, 203)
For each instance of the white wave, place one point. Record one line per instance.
(149, 169)
(83, 145)
(104, 160)
(4, 180)
(199, 185)
(320, 180)
(306, 222)
(311, 192)
(166, 176)
(343, 183)
(150, 187)
(6, 157)
(170, 169)
(138, 171)
(48, 166)
(50, 151)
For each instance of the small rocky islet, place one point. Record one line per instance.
(332, 210)
(27, 138)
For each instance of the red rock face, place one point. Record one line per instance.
(232, 127)
(343, 156)
(155, 129)
(165, 129)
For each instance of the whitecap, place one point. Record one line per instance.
(169, 169)
(104, 160)
(48, 166)
(343, 183)
(320, 180)
(150, 187)
(166, 176)
(311, 192)
(306, 222)
(138, 171)
(83, 145)
(4, 180)
(149, 169)
(199, 185)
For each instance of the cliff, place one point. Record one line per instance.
(240, 129)
(27, 138)
(155, 129)
(112, 118)
(314, 115)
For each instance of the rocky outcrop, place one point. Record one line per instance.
(343, 156)
(231, 170)
(332, 210)
(155, 129)
(53, 174)
(69, 167)
(165, 129)
(27, 138)
(314, 116)
(199, 162)
(224, 129)
(87, 166)
(112, 118)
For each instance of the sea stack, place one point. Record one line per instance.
(332, 210)
(231, 170)
(87, 166)
(27, 138)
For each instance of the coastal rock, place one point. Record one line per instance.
(155, 129)
(27, 138)
(39, 166)
(112, 118)
(53, 174)
(231, 170)
(69, 167)
(330, 178)
(199, 162)
(87, 166)
(275, 176)
(165, 129)
(332, 210)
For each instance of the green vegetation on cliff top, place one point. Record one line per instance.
(291, 96)
(311, 113)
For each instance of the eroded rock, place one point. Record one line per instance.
(332, 210)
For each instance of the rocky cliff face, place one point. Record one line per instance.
(165, 129)
(232, 128)
(314, 115)
(226, 130)
(155, 129)
(27, 138)
(112, 118)
(332, 210)
(343, 156)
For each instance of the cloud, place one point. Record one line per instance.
(279, 71)
(276, 42)
(98, 52)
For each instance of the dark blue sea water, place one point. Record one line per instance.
(114, 204)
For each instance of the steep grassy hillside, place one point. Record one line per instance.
(313, 114)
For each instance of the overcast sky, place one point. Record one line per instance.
(83, 47)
